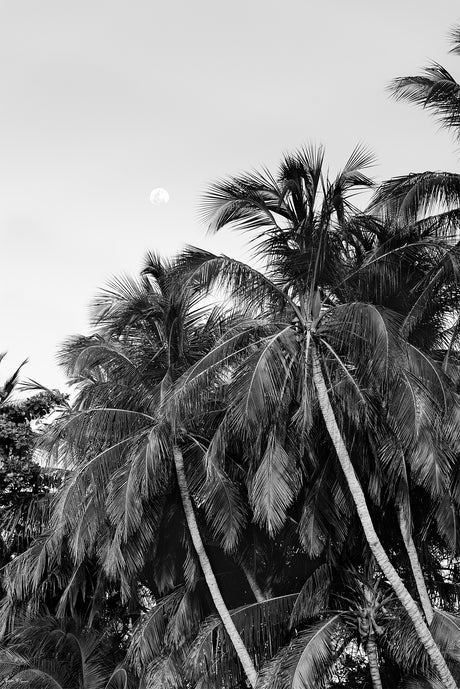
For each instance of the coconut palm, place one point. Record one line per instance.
(326, 352)
(126, 455)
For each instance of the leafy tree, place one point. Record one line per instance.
(25, 485)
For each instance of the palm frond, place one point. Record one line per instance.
(246, 287)
(325, 512)
(148, 637)
(274, 486)
(225, 511)
(118, 680)
(259, 379)
(366, 336)
(262, 627)
(307, 662)
(313, 596)
(446, 632)
(413, 196)
(250, 202)
(435, 90)
(164, 671)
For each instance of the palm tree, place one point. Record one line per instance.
(324, 349)
(123, 449)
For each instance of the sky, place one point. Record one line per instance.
(103, 100)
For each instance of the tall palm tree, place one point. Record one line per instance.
(127, 455)
(325, 349)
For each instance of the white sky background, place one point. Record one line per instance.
(102, 100)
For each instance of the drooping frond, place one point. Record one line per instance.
(262, 381)
(263, 629)
(148, 638)
(274, 486)
(118, 680)
(121, 558)
(411, 197)
(224, 507)
(401, 642)
(251, 202)
(307, 662)
(435, 90)
(446, 632)
(313, 597)
(245, 286)
(366, 337)
(218, 366)
(431, 290)
(166, 672)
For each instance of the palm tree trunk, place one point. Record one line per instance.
(415, 566)
(375, 545)
(373, 658)
(253, 585)
(235, 638)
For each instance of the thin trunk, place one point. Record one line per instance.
(375, 545)
(240, 648)
(373, 658)
(415, 566)
(253, 585)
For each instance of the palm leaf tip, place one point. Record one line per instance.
(454, 38)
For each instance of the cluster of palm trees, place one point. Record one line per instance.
(261, 459)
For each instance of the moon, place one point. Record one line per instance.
(159, 196)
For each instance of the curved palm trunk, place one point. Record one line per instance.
(375, 545)
(415, 566)
(373, 658)
(240, 648)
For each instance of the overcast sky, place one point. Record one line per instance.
(103, 100)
